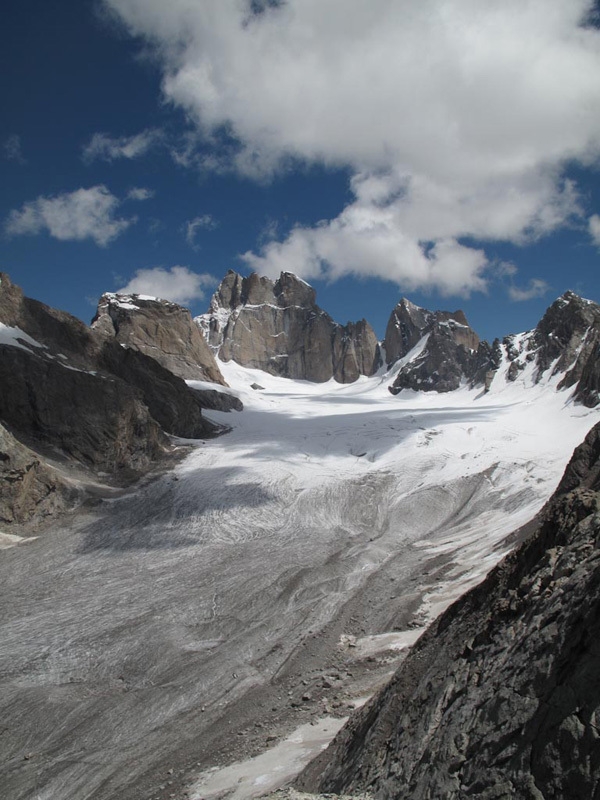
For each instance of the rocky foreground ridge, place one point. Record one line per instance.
(277, 327)
(73, 396)
(500, 698)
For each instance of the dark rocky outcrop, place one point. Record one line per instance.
(99, 421)
(449, 348)
(408, 324)
(218, 401)
(160, 329)
(564, 345)
(30, 491)
(446, 352)
(500, 697)
(276, 326)
(72, 392)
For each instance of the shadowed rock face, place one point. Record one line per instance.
(277, 327)
(448, 356)
(565, 342)
(70, 389)
(160, 329)
(500, 698)
(30, 491)
(446, 352)
(568, 340)
(408, 324)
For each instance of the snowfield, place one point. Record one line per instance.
(174, 629)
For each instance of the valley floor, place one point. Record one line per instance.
(271, 580)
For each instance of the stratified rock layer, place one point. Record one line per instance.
(160, 329)
(500, 698)
(277, 327)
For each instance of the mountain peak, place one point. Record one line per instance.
(276, 326)
(159, 328)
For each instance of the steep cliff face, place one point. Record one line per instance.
(160, 329)
(444, 348)
(438, 351)
(72, 391)
(565, 345)
(500, 698)
(30, 491)
(276, 326)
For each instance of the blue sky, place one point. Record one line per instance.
(446, 152)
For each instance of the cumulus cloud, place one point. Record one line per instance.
(109, 148)
(178, 284)
(71, 216)
(140, 193)
(13, 150)
(594, 228)
(204, 222)
(537, 288)
(456, 119)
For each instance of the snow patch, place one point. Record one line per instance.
(15, 337)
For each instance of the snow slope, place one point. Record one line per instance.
(446, 458)
(201, 604)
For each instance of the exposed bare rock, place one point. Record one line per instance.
(441, 351)
(176, 408)
(160, 329)
(500, 698)
(67, 387)
(30, 491)
(276, 326)
(96, 419)
(218, 401)
(448, 351)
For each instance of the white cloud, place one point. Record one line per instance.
(537, 288)
(594, 228)
(203, 222)
(178, 284)
(456, 118)
(140, 193)
(72, 216)
(108, 148)
(13, 150)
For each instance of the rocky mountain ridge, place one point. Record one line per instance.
(277, 327)
(500, 697)
(106, 396)
(74, 395)
(438, 351)
(160, 329)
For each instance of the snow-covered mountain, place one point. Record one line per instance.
(276, 326)
(277, 574)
